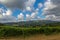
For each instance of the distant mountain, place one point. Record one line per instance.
(32, 23)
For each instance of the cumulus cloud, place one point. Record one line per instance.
(52, 10)
(6, 16)
(13, 3)
(5, 19)
(34, 12)
(34, 15)
(48, 6)
(8, 13)
(18, 3)
(40, 5)
(30, 3)
(20, 17)
(39, 18)
(28, 9)
(28, 17)
(52, 17)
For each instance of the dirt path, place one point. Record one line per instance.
(36, 37)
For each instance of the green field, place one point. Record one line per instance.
(8, 31)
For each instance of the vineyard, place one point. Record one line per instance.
(18, 31)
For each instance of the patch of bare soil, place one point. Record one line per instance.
(35, 37)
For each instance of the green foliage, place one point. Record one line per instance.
(18, 31)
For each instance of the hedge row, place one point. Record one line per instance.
(16, 31)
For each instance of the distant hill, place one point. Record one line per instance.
(33, 23)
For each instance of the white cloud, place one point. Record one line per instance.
(39, 18)
(52, 7)
(13, 3)
(30, 3)
(5, 12)
(34, 15)
(8, 13)
(18, 3)
(50, 17)
(48, 5)
(28, 17)
(52, 10)
(5, 19)
(3, 1)
(40, 5)
(6, 16)
(28, 8)
(20, 17)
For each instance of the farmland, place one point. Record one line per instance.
(18, 31)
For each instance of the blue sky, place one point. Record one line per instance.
(19, 10)
(29, 9)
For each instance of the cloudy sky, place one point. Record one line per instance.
(25, 10)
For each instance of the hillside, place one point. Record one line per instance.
(33, 23)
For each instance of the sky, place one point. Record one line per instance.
(26, 10)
